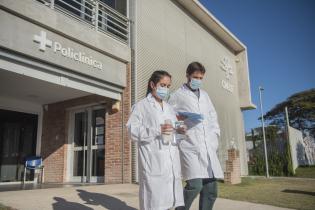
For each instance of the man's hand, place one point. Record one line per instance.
(182, 129)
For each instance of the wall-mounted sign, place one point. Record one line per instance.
(67, 52)
(226, 66)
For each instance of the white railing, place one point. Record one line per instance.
(95, 13)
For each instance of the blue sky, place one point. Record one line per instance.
(280, 38)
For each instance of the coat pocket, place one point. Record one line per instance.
(156, 163)
(190, 159)
(188, 146)
(213, 140)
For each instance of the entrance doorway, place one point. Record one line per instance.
(87, 145)
(18, 134)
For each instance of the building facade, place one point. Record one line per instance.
(64, 90)
(71, 69)
(172, 33)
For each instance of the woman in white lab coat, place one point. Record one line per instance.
(158, 155)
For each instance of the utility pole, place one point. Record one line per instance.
(263, 130)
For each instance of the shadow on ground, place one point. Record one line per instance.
(299, 192)
(63, 204)
(94, 199)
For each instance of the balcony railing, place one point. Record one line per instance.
(96, 14)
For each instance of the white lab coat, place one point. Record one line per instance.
(159, 164)
(198, 150)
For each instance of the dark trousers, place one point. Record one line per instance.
(207, 188)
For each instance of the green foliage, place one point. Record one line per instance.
(301, 108)
(279, 156)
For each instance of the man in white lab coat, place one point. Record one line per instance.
(199, 162)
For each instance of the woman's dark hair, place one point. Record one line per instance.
(195, 66)
(156, 77)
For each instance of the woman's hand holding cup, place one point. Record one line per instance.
(166, 129)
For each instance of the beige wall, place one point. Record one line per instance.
(169, 38)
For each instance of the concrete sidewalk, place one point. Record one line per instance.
(112, 197)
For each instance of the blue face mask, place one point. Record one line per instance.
(162, 92)
(195, 83)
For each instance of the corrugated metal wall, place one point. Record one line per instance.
(169, 38)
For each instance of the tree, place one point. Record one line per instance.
(301, 108)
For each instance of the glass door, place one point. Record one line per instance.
(10, 139)
(18, 135)
(97, 154)
(88, 150)
(79, 146)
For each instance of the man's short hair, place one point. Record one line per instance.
(195, 66)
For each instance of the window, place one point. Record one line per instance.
(108, 16)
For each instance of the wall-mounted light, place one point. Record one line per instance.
(114, 107)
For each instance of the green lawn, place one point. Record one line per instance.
(305, 172)
(282, 192)
(2, 207)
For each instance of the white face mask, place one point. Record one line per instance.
(162, 92)
(195, 83)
